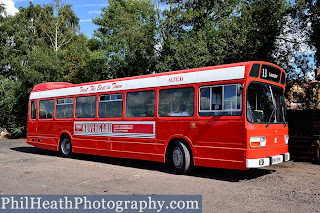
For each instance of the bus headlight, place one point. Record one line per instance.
(286, 139)
(258, 141)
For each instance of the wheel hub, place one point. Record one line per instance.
(177, 157)
(66, 147)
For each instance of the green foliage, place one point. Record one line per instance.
(263, 21)
(187, 52)
(300, 52)
(312, 15)
(127, 32)
(13, 98)
(42, 43)
(27, 57)
(220, 32)
(59, 24)
(74, 58)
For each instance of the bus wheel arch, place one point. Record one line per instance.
(179, 155)
(65, 145)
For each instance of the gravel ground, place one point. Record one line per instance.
(287, 187)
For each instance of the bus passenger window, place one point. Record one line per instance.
(176, 102)
(64, 108)
(46, 109)
(140, 104)
(220, 100)
(33, 109)
(216, 98)
(86, 107)
(205, 98)
(110, 106)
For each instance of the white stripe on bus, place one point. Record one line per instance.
(157, 81)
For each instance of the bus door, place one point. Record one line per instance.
(220, 132)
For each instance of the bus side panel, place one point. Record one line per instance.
(116, 147)
(136, 148)
(41, 145)
(220, 143)
(165, 129)
(214, 143)
(88, 142)
(217, 163)
(47, 134)
(31, 127)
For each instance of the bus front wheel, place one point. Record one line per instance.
(181, 158)
(65, 147)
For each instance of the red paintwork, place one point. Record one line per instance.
(50, 85)
(219, 141)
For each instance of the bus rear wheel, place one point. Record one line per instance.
(65, 148)
(181, 158)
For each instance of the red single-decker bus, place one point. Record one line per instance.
(228, 116)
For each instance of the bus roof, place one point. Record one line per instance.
(50, 85)
(188, 76)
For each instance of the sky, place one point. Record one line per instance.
(84, 9)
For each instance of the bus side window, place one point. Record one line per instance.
(140, 104)
(33, 109)
(216, 98)
(110, 106)
(220, 100)
(86, 107)
(46, 109)
(64, 108)
(176, 102)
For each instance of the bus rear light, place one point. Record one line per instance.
(286, 139)
(258, 141)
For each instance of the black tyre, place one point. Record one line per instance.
(65, 147)
(181, 158)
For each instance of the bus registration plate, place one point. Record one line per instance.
(277, 159)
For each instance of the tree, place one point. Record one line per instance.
(59, 24)
(298, 42)
(310, 10)
(264, 21)
(187, 29)
(2, 35)
(228, 31)
(29, 57)
(127, 33)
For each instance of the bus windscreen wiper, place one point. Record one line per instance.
(283, 118)
(273, 112)
(274, 107)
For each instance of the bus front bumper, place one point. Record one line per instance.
(268, 161)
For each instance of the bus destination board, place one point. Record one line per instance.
(270, 73)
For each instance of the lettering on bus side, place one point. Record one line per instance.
(142, 129)
(176, 79)
(94, 127)
(98, 127)
(100, 87)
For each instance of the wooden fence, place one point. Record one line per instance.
(304, 134)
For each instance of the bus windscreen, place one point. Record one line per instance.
(265, 103)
